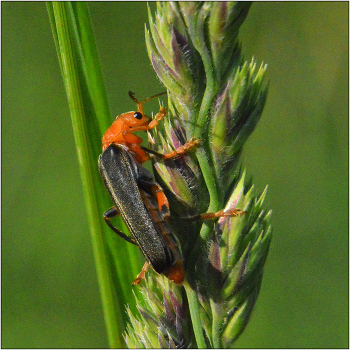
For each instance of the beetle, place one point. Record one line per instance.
(132, 189)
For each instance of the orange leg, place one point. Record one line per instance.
(163, 204)
(141, 275)
(159, 116)
(222, 213)
(183, 149)
(218, 214)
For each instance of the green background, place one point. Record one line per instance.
(50, 295)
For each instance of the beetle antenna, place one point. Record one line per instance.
(139, 104)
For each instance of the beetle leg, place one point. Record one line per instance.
(141, 275)
(222, 213)
(159, 116)
(158, 193)
(163, 204)
(181, 150)
(218, 214)
(111, 213)
(146, 182)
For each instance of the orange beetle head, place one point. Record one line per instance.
(117, 131)
(132, 119)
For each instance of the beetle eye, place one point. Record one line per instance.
(138, 115)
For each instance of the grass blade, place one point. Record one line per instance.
(90, 115)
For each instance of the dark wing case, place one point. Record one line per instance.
(120, 174)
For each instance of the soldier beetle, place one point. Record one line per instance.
(132, 187)
(138, 198)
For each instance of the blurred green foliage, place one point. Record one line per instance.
(50, 295)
